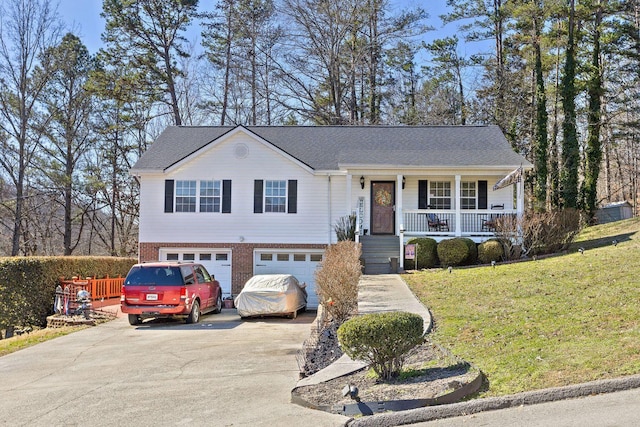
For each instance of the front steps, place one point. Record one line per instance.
(380, 254)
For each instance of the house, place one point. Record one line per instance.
(265, 199)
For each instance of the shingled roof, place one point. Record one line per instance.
(328, 147)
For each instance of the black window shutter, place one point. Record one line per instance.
(257, 196)
(422, 194)
(168, 195)
(482, 194)
(226, 196)
(292, 196)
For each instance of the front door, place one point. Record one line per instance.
(383, 200)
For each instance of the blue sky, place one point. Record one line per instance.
(83, 17)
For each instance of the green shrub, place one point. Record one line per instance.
(426, 254)
(452, 252)
(473, 250)
(337, 280)
(491, 250)
(381, 339)
(27, 284)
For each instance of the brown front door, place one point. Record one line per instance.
(383, 200)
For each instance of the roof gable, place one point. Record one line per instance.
(221, 138)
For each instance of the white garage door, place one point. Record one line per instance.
(216, 261)
(301, 264)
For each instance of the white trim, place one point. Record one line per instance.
(498, 169)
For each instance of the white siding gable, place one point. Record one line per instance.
(242, 159)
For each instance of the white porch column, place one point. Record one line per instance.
(520, 197)
(458, 231)
(350, 206)
(399, 220)
(398, 206)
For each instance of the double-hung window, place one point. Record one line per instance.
(468, 195)
(186, 196)
(275, 196)
(440, 195)
(197, 196)
(210, 196)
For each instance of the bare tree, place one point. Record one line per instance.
(27, 29)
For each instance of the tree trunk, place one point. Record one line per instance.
(594, 146)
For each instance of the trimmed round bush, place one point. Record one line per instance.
(426, 254)
(473, 250)
(491, 250)
(452, 252)
(381, 339)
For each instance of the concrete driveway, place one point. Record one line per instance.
(220, 372)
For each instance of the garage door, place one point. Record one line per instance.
(301, 264)
(217, 262)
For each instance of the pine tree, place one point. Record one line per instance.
(148, 32)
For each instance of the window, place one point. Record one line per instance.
(185, 196)
(283, 257)
(266, 257)
(172, 257)
(440, 195)
(222, 257)
(188, 257)
(198, 196)
(205, 257)
(275, 196)
(468, 195)
(187, 274)
(299, 257)
(315, 257)
(202, 274)
(210, 196)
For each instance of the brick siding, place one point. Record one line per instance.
(242, 259)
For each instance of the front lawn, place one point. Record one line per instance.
(552, 322)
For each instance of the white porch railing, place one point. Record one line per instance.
(472, 222)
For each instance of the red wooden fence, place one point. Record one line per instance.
(98, 288)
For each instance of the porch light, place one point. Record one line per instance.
(404, 180)
(362, 182)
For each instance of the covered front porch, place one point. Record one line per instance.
(436, 205)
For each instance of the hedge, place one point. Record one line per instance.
(491, 250)
(426, 254)
(27, 284)
(473, 250)
(452, 252)
(381, 339)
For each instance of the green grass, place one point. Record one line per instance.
(15, 343)
(556, 321)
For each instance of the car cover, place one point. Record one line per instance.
(271, 294)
